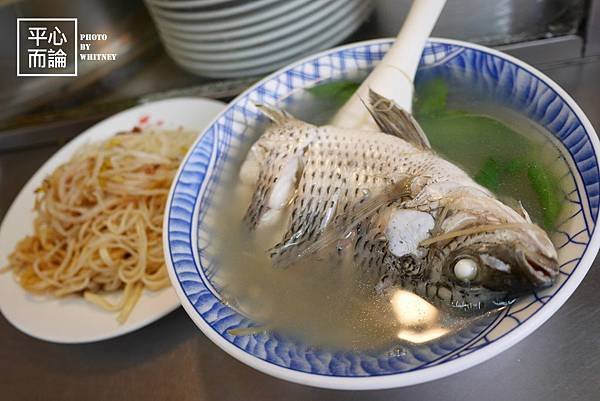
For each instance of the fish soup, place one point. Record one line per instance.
(331, 303)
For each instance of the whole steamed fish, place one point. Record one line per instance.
(388, 203)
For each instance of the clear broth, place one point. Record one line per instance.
(329, 304)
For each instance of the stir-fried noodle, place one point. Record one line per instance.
(98, 225)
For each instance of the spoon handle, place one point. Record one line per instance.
(393, 76)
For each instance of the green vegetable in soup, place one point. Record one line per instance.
(336, 92)
(548, 193)
(431, 99)
(490, 175)
(499, 158)
(517, 165)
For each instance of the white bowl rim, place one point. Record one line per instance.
(426, 374)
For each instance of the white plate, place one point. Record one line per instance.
(72, 319)
(266, 18)
(324, 10)
(331, 12)
(329, 35)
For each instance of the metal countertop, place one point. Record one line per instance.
(172, 359)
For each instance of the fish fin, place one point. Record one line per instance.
(524, 213)
(396, 121)
(439, 220)
(340, 228)
(274, 173)
(272, 195)
(274, 114)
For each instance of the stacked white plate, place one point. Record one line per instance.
(237, 38)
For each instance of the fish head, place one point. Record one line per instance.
(499, 266)
(491, 254)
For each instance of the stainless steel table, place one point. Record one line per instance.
(172, 360)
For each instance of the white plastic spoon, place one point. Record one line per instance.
(394, 75)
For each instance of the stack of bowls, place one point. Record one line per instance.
(237, 38)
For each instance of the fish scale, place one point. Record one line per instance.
(356, 161)
(376, 197)
(315, 193)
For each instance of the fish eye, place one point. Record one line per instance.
(465, 269)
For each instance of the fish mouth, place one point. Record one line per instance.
(540, 271)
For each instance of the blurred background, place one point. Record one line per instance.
(217, 48)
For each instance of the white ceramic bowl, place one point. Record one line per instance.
(199, 14)
(267, 16)
(338, 26)
(266, 42)
(249, 38)
(220, 34)
(190, 218)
